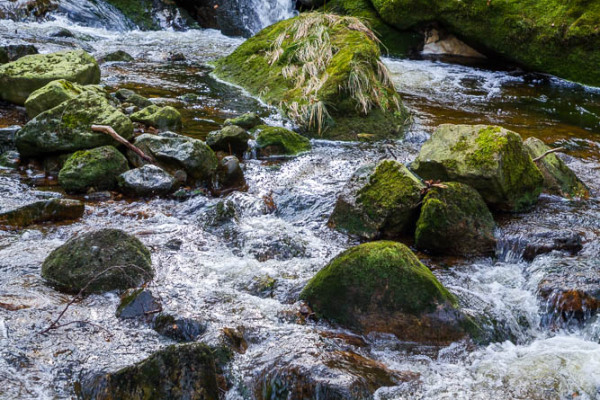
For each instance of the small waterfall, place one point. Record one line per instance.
(271, 11)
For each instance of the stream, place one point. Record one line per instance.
(218, 275)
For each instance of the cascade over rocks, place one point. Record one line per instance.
(383, 287)
(378, 200)
(20, 78)
(490, 159)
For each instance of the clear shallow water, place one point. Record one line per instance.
(216, 275)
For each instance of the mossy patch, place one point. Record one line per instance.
(164, 118)
(54, 93)
(272, 140)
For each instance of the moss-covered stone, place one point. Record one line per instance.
(232, 139)
(185, 372)
(491, 159)
(274, 141)
(553, 36)
(558, 178)
(54, 93)
(455, 221)
(174, 152)
(382, 200)
(324, 72)
(140, 12)
(98, 168)
(67, 127)
(118, 56)
(99, 261)
(20, 78)
(43, 211)
(245, 121)
(383, 287)
(163, 118)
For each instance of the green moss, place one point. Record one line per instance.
(273, 140)
(377, 276)
(138, 11)
(163, 118)
(127, 298)
(489, 143)
(55, 93)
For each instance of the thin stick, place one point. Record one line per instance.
(111, 132)
(549, 152)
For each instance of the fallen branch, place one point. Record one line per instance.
(111, 132)
(558, 149)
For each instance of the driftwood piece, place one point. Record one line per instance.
(558, 149)
(111, 132)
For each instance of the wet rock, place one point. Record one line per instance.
(262, 286)
(558, 178)
(184, 372)
(276, 246)
(455, 221)
(221, 213)
(176, 57)
(162, 118)
(61, 33)
(20, 78)
(52, 164)
(174, 152)
(382, 200)
(438, 43)
(55, 93)
(13, 52)
(383, 287)
(234, 338)
(174, 244)
(7, 138)
(146, 181)
(246, 121)
(129, 96)
(179, 329)
(118, 56)
(10, 159)
(99, 261)
(231, 140)
(138, 303)
(43, 211)
(67, 127)
(530, 244)
(346, 93)
(275, 141)
(490, 159)
(96, 169)
(230, 175)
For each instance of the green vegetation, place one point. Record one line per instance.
(280, 141)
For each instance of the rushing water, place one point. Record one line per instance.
(217, 276)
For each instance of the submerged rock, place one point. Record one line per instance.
(455, 221)
(162, 118)
(179, 329)
(67, 127)
(130, 97)
(383, 287)
(531, 242)
(276, 141)
(43, 211)
(231, 140)
(54, 93)
(117, 56)
(138, 303)
(185, 372)
(13, 52)
(344, 93)
(10, 159)
(245, 121)
(20, 78)
(99, 261)
(174, 152)
(491, 159)
(98, 168)
(558, 178)
(382, 200)
(146, 181)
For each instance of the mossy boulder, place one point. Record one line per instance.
(185, 372)
(67, 127)
(245, 121)
(54, 93)
(231, 139)
(324, 72)
(174, 152)
(383, 287)
(552, 36)
(491, 159)
(43, 211)
(558, 178)
(96, 169)
(118, 56)
(455, 221)
(20, 78)
(378, 200)
(98, 261)
(146, 181)
(129, 96)
(276, 141)
(163, 118)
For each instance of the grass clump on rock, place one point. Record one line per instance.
(324, 72)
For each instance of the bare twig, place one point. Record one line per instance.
(558, 149)
(111, 132)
